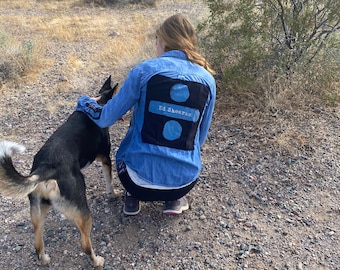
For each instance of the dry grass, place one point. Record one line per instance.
(50, 5)
(110, 40)
(290, 141)
(113, 42)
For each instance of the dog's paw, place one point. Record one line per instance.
(98, 261)
(116, 193)
(45, 259)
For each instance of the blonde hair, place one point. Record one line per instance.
(178, 33)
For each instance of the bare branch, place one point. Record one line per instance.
(284, 26)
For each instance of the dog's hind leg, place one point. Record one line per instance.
(74, 206)
(39, 211)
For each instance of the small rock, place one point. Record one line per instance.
(248, 224)
(203, 217)
(243, 246)
(331, 233)
(256, 249)
(63, 78)
(187, 229)
(231, 202)
(114, 34)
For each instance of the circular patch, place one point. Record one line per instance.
(172, 130)
(179, 92)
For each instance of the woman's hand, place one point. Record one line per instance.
(96, 98)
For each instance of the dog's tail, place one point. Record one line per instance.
(12, 183)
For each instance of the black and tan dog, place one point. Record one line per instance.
(56, 179)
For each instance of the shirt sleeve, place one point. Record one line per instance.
(115, 108)
(89, 106)
(207, 118)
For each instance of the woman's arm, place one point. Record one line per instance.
(107, 115)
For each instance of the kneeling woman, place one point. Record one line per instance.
(173, 99)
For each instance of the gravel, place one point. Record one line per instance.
(267, 197)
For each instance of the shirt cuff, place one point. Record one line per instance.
(89, 106)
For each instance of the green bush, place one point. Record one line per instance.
(252, 44)
(16, 57)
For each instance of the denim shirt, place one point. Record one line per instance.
(169, 165)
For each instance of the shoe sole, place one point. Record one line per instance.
(131, 213)
(174, 212)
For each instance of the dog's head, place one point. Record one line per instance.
(106, 92)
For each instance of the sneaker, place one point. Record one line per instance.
(131, 205)
(176, 207)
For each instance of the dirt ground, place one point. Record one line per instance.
(267, 197)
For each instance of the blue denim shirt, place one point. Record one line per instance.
(157, 164)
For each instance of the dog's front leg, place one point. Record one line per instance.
(107, 172)
(108, 177)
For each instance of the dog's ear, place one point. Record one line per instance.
(105, 96)
(106, 85)
(115, 88)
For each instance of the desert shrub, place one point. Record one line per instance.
(16, 57)
(269, 50)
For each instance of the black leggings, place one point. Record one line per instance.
(148, 194)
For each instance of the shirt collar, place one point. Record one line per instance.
(176, 54)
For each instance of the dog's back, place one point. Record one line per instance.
(78, 141)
